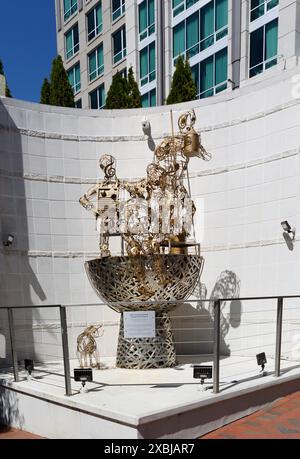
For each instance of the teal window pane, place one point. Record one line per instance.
(69, 42)
(99, 16)
(70, 7)
(153, 98)
(151, 12)
(152, 57)
(78, 103)
(207, 77)
(100, 57)
(71, 77)
(192, 34)
(179, 39)
(101, 96)
(221, 14)
(145, 101)
(256, 51)
(221, 66)
(195, 75)
(271, 4)
(177, 3)
(207, 25)
(143, 24)
(92, 65)
(144, 62)
(271, 39)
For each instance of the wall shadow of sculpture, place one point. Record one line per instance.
(17, 276)
(9, 410)
(288, 240)
(146, 126)
(193, 329)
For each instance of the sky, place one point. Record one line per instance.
(27, 45)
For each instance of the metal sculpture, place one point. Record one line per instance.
(87, 351)
(153, 219)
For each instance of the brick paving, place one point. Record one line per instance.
(279, 420)
(8, 433)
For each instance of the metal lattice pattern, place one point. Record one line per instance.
(117, 280)
(143, 353)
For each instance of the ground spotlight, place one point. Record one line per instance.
(83, 375)
(9, 240)
(29, 367)
(202, 372)
(261, 361)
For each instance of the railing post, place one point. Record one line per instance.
(65, 346)
(216, 368)
(278, 335)
(12, 337)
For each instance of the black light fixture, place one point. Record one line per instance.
(261, 361)
(288, 229)
(9, 240)
(202, 372)
(83, 375)
(29, 367)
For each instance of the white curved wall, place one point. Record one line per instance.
(48, 158)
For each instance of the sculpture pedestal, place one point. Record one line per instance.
(143, 353)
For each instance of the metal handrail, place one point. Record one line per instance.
(216, 327)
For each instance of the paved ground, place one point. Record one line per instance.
(8, 433)
(280, 419)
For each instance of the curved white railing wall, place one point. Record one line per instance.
(48, 158)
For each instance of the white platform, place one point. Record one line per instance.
(164, 403)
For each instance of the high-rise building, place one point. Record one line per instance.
(227, 42)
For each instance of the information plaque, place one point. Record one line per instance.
(139, 324)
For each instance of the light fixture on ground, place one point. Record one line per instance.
(9, 240)
(83, 375)
(261, 361)
(288, 229)
(29, 367)
(202, 372)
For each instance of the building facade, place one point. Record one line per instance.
(227, 42)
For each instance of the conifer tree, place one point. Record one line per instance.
(61, 92)
(183, 88)
(134, 92)
(118, 94)
(45, 92)
(7, 90)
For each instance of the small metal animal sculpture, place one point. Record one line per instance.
(87, 351)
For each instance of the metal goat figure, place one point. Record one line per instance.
(87, 351)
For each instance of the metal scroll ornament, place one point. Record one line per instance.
(160, 263)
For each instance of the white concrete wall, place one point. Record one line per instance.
(48, 158)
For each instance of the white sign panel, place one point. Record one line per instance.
(139, 324)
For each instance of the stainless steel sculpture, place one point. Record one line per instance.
(153, 219)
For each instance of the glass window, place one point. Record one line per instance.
(147, 64)
(70, 8)
(210, 75)
(94, 22)
(261, 7)
(96, 63)
(97, 98)
(146, 18)
(263, 48)
(192, 35)
(213, 22)
(72, 42)
(78, 103)
(181, 5)
(75, 78)
(206, 26)
(118, 8)
(149, 99)
(179, 39)
(119, 44)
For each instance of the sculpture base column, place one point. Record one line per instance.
(143, 353)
